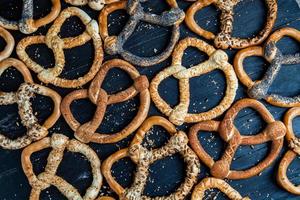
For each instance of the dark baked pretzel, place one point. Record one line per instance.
(59, 143)
(211, 183)
(274, 132)
(259, 89)
(57, 45)
(22, 97)
(114, 44)
(10, 44)
(27, 24)
(217, 60)
(144, 158)
(87, 132)
(291, 154)
(94, 4)
(224, 39)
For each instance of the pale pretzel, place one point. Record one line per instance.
(274, 132)
(211, 183)
(57, 45)
(218, 59)
(114, 44)
(224, 39)
(10, 44)
(27, 24)
(144, 158)
(87, 132)
(22, 97)
(59, 143)
(259, 89)
(94, 4)
(291, 154)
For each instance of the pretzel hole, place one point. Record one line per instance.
(169, 90)
(41, 54)
(248, 156)
(78, 61)
(116, 21)
(249, 122)
(156, 137)
(41, 8)
(255, 67)
(72, 27)
(288, 46)
(10, 80)
(244, 18)
(214, 85)
(52, 193)
(42, 107)
(155, 6)
(11, 9)
(296, 125)
(165, 176)
(39, 160)
(81, 176)
(192, 56)
(156, 40)
(83, 104)
(293, 171)
(2, 44)
(123, 172)
(208, 18)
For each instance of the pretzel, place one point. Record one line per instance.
(259, 89)
(144, 158)
(217, 60)
(10, 44)
(210, 183)
(22, 97)
(57, 45)
(224, 39)
(87, 132)
(291, 154)
(274, 133)
(94, 4)
(59, 143)
(114, 44)
(27, 24)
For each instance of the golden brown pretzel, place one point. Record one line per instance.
(291, 154)
(217, 60)
(94, 4)
(259, 89)
(224, 39)
(274, 132)
(22, 97)
(87, 132)
(211, 183)
(10, 44)
(27, 24)
(144, 158)
(57, 45)
(59, 143)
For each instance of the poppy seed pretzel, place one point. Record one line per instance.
(217, 60)
(291, 154)
(211, 183)
(224, 39)
(259, 89)
(22, 97)
(87, 132)
(144, 158)
(274, 132)
(114, 44)
(10, 44)
(57, 45)
(27, 24)
(94, 4)
(59, 143)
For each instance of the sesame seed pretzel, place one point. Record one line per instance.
(22, 97)
(291, 154)
(59, 143)
(10, 44)
(144, 158)
(217, 60)
(87, 132)
(27, 24)
(274, 132)
(94, 4)
(57, 45)
(259, 89)
(210, 183)
(224, 39)
(114, 44)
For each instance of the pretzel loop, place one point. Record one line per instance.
(274, 132)
(114, 44)
(217, 60)
(10, 43)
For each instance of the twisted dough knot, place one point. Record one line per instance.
(137, 153)
(276, 130)
(110, 45)
(220, 57)
(222, 41)
(27, 26)
(294, 144)
(36, 131)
